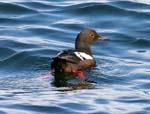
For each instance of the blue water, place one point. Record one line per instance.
(32, 32)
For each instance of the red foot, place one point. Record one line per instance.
(79, 73)
(45, 76)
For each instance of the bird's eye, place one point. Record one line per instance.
(92, 35)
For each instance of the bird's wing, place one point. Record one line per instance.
(69, 56)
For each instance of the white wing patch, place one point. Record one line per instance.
(83, 56)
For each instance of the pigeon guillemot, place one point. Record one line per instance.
(74, 61)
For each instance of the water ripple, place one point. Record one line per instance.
(12, 9)
(32, 32)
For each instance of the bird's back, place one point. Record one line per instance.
(69, 60)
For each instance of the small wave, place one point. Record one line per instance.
(7, 20)
(5, 52)
(134, 101)
(21, 56)
(41, 30)
(41, 6)
(131, 5)
(14, 58)
(133, 9)
(93, 8)
(16, 44)
(31, 59)
(141, 42)
(101, 9)
(13, 8)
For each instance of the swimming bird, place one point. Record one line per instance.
(70, 63)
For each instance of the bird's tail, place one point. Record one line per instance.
(58, 64)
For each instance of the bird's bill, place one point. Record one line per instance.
(103, 38)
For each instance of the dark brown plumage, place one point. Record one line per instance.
(69, 61)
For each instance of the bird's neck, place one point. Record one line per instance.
(84, 48)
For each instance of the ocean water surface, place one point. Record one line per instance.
(32, 32)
